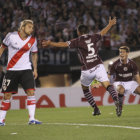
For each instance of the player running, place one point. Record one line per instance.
(92, 65)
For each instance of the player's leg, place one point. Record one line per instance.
(28, 84)
(121, 91)
(5, 106)
(137, 90)
(110, 89)
(85, 83)
(9, 86)
(114, 95)
(101, 76)
(88, 95)
(31, 105)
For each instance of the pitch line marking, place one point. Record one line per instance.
(98, 125)
(78, 124)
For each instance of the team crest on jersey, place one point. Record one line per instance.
(125, 68)
(29, 45)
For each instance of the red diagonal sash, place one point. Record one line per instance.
(19, 54)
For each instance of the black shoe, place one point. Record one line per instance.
(120, 106)
(118, 109)
(96, 112)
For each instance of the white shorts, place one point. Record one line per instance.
(99, 73)
(129, 86)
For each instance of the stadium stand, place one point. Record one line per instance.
(57, 20)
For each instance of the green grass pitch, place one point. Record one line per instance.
(74, 124)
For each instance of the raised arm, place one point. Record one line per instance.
(110, 24)
(46, 43)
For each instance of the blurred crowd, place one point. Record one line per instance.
(57, 19)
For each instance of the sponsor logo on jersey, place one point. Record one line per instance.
(125, 75)
(16, 48)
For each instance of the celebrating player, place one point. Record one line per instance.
(19, 70)
(127, 79)
(92, 66)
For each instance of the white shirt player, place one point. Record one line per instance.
(18, 58)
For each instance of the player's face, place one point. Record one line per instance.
(28, 29)
(123, 54)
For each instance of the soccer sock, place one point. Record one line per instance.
(5, 106)
(120, 96)
(31, 105)
(90, 98)
(112, 92)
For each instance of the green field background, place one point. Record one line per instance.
(73, 124)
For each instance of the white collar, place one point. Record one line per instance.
(126, 62)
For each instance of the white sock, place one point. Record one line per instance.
(2, 115)
(5, 105)
(31, 107)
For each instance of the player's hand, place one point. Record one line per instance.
(112, 21)
(46, 43)
(35, 73)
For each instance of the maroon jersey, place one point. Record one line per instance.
(124, 72)
(87, 48)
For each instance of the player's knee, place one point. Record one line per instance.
(30, 92)
(120, 89)
(85, 88)
(137, 90)
(106, 84)
(7, 96)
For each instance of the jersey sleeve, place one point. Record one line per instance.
(73, 43)
(135, 69)
(34, 48)
(6, 41)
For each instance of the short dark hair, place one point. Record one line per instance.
(83, 29)
(124, 48)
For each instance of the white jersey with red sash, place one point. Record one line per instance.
(19, 51)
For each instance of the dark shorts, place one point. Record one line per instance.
(12, 79)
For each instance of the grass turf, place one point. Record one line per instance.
(68, 124)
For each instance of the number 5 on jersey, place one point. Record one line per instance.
(91, 50)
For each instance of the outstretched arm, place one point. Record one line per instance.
(110, 24)
(46, 43)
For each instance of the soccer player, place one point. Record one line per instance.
(127, 79)
(19, 70)
(92, 66)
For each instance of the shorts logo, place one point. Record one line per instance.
(125, 68)
(29, 45)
